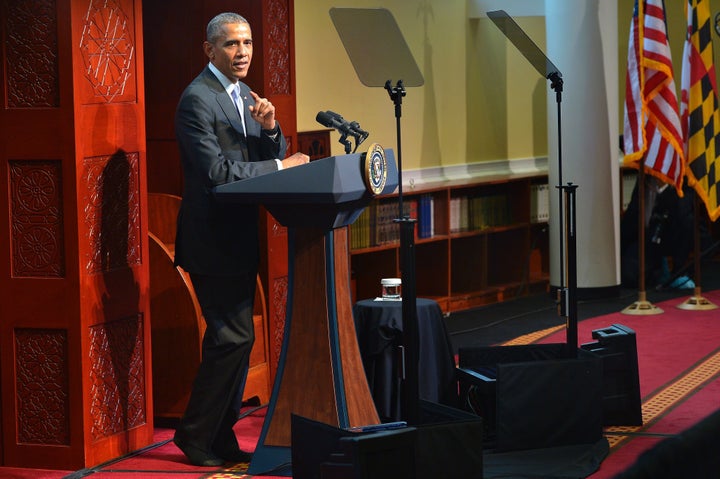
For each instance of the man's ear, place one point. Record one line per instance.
(209, 49)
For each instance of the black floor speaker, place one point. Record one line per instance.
(532, 396)
(447, 443)
(616, 345)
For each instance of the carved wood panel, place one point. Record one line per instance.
(43, 398)
(112, 211)
(117, 377)
(31, 53)
(107, 50)
(36, 219)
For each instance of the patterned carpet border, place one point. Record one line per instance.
(236, 471)
(669, 397)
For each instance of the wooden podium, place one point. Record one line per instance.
(320, 373)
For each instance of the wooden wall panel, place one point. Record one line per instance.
(74, 309)
(278, 84)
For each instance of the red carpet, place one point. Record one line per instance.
(678, 360)
(166, 460)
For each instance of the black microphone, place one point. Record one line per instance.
(331, 119)
(361, 134)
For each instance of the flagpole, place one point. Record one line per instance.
(696, 92)
(642, 306)
(696, 301)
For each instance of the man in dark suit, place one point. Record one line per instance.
(225, 132)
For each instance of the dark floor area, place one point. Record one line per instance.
(496, 323)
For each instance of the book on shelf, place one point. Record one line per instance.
(411, 209)
(462, 211)
(382, 228)
(425, 216)
(464, 214)
(539, 203)
(454, 214)
(477, 214)
(360, 230)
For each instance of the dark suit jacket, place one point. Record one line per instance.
(214, 238)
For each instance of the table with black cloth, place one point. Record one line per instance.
(379, 327)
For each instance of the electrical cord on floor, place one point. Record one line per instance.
(276, 469)
(500, 321)
(252, 410)
(102, 467)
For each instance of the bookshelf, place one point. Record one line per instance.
(476, 242)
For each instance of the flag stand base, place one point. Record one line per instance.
(642, 307)
(697, 302)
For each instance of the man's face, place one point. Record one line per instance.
(232, 52)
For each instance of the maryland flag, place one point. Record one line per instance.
(699, 107)
(652, 131)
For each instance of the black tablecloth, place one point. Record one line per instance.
(379, 327)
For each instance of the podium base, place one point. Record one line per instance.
(455, 436)
(319, 349)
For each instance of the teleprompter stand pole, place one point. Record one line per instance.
(571, 262)
(397, 93)
(567, 239)
(410, 338)
(565, 296)
(566, 293)
(377, 56)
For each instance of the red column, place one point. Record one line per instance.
(74, 307)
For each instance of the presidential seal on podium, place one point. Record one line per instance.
(375, 169)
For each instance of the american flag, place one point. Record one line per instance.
(699, 107)
(652, 130)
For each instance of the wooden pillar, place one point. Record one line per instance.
(74, 308)
(273, 74)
